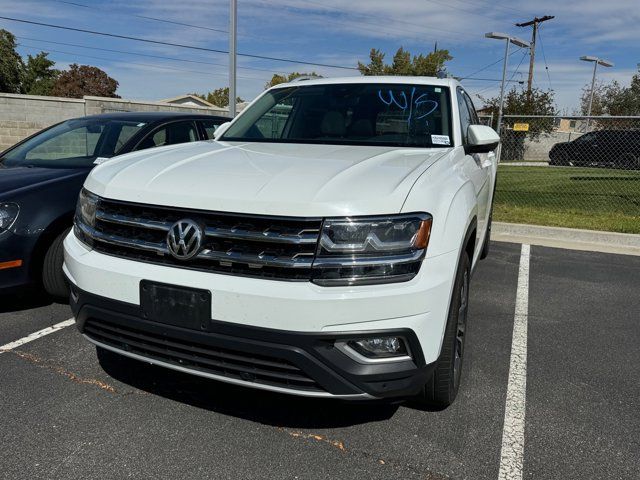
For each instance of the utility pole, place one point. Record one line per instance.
(535, 22)
(233, 42)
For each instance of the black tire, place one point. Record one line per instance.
(487, 238)
(629, 161)
(53, 279)
(441, 390)
(564, 160)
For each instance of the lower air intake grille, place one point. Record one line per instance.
(204, 358)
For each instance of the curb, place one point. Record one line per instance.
(569, 238)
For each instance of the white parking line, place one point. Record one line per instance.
(35, 335)
(512, 453)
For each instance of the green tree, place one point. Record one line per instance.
(612, 98)
(519, 102)
(11, 65)
(218, 97)
(81, 80)
(39, 76)
(278, 79)
(404, 64)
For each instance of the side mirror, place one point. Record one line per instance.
(220, 130)
(481, 139)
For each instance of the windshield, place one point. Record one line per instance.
(349, 114)
(74, 143)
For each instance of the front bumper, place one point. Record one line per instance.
(304, 364)
(268, 321)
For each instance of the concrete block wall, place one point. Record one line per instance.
(96, 105)
(23, 115)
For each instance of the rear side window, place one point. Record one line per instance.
(76, 143)
(126, 132)
(170, 134)
(466, 117)
(472, 109)
(210, 127)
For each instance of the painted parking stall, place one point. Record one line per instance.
(548, 391)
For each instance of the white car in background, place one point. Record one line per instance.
(322, 246)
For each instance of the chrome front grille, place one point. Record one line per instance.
(237, 244)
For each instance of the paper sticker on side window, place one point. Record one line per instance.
(440, 140)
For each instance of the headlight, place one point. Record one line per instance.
(86, 208)
(367, 250)
(8, 214)
(85, 216)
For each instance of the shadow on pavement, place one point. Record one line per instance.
(251, 404)
(23, 301)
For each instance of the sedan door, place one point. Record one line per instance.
(209, 126)
(172, 133)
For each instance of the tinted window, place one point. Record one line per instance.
(587, 137)
(472, 109)
(74, 143)
(170, 134)
(349, 114)
(466, 118)
(210, 126)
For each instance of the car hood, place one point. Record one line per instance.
(16, 180)
(267, 178)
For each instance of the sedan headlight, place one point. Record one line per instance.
(368, 250)
(85, 217)
(8, 214)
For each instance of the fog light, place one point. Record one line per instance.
(380, 347)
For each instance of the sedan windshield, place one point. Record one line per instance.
(74, 143)
(349, 114)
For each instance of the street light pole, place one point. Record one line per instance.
(233, 43)
(593, 86)
(504, 76)
(596, 61)
(509, 39)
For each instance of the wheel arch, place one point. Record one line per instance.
(55, 228)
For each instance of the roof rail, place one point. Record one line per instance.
(304, 78)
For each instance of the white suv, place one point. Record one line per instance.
(321, 246)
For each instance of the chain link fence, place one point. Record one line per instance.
(581, 172)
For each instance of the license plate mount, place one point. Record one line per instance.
(175, 305)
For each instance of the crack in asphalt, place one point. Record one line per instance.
(339, 445)
(43, 363)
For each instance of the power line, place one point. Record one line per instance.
(162, 67)
(93, 7)
(461, 9)
(191, 47)
(175, 59)
(507, 81)
(385, 20)
(489, 66)
(533, 23)
(546, 66)
(518, 67)
(490, 79)
(493, 5)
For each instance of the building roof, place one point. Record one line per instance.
(194, 98)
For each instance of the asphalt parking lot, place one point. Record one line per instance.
(63, 414)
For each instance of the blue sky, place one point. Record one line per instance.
(329, 31)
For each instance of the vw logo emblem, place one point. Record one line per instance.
(184, 239)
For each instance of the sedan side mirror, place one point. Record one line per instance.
(481, 139)
(220, 130)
